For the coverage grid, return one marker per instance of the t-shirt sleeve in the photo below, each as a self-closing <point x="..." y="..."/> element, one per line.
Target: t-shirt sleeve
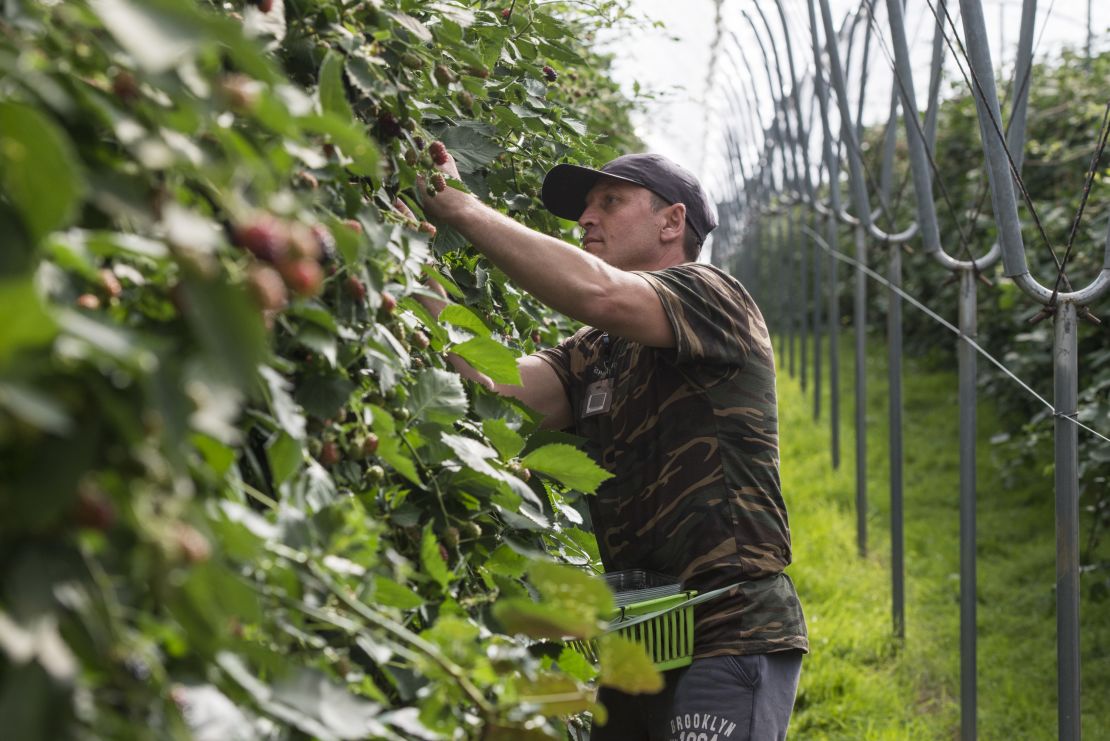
<point x="712" y="316"/>
<point x="559" y="358"/>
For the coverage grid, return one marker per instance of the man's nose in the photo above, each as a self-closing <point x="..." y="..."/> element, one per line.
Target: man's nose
<point x="588" y="217"/>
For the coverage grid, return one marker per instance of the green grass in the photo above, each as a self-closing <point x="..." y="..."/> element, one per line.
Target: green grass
<point x="860" y="683"/>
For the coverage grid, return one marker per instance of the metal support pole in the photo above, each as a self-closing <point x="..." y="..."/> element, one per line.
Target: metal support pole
<point x="894" y="371"/>
<point x="803" y="301"/>
<point x="860" y="322"/>
<point x="788" y="280"/>
<point x="967" y="359"/>
<point x="1065" y="389"/>
<point x="817" y="283"/>
<point x="781" y="282"/>
<point x="831" y="230"/>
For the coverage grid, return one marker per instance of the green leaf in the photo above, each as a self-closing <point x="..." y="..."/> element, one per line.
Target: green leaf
<point x="415" y="27"/>
<point x="460" y="316"/>
<point x="26" y="322"/>
<point x="390" y="448"/>
<point x="571" y="588"/>
<point x="333" y="96"/>
<point x="351" y="140"/>
<point x="507" y="562"/>
<point x="313" y="489"/>
<point x="324" y="709"/>
<point x="217" y="455"/>
<point x="285" y="455"/>
<point x="35" y="408"/>
<point x="573" y="604"/>
<point x="625" y="666"/>
<point x="323" y="396"/>
<point x="568" y="465"/>
<point x="490" y="357"/>
<point x="431" y="559"/>
<point x="472" y="144"/>
<point x="228" y="326"/>
<point x="389" y="592"/>
<point x="286" y="411"/>
<point x="507" y="441"/>
<point x="575" y="664"/>
<point x="473" y="454"/>
<point x="320" y="341"/>
<point x="535" y="620"/>
<point x="158" y="38"/>
<point x="39" y="170"/>
<point x="556" y="695"/>
<point x="438" y="397"/>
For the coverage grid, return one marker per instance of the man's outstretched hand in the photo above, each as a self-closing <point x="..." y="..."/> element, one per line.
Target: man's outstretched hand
<point x="447" y="200"/>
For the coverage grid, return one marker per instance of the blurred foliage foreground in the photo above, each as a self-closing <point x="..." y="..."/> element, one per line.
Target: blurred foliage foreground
<point x="241" y="495"/>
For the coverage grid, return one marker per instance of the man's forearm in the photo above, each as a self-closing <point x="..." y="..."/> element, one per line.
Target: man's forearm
<point x="563" y="277"/>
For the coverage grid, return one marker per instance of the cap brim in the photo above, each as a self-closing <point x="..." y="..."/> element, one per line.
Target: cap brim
<point x="565" y="187"/>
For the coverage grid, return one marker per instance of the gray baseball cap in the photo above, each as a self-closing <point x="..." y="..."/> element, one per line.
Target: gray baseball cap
<point x="565" y="187"/>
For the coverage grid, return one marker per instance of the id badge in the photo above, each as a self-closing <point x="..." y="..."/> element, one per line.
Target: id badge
<point x="599" y="398"/>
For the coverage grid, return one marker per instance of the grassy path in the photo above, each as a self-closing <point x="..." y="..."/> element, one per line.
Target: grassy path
<point x="858" y="682"/>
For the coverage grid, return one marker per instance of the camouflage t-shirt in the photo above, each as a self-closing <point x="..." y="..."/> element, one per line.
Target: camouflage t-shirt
<point x="691" y="437"/>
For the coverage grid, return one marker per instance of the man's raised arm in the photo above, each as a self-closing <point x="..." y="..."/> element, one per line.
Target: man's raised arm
<point x="565" y="278"/>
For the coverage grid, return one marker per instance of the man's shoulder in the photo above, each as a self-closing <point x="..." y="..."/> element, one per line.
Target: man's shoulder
<point x="701" y="273"/>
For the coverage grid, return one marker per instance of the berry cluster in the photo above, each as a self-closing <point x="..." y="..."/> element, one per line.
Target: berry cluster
<point x="289" y="257"/>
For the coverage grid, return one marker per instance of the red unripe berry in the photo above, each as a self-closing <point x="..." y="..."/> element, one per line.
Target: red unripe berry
<point x="94" y="510"/>
<point x="439" y="153"/>
<point x="356" y="289"/>
<point x="241" y="92"/>
<point x="303" y="243"/>
<point x="439" y="183"/>
<point x="428" y="228"/>
<point x="304" y="277"/>
<point x="536" y="337"/>
<point x="420" y="339"/>
<point x="88" y="301"/>
<point x="370" y="444"/>
<point x="308" y="179"/>
<point x="451" y="537"/>
<point x="505" y="13"/>
<point x="193" y="546"/>
<point x="325" y="239"/>
<point x="125" y="87"/>
<point x="329" y="453"/>
<point x="267" y="287"/>
<point x="388" y="302"/>
<point x="550" y="73"/>
<point x="265" y="237"/>
<point x="110" y="282"/>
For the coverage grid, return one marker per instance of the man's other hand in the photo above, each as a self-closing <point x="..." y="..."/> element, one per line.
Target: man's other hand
<point x="446" y="200"/>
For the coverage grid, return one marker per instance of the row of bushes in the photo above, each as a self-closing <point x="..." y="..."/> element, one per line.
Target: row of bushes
<point x="242" y="494"/>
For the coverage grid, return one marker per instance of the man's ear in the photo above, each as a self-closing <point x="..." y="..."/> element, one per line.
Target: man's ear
<point x="674" y="221"/>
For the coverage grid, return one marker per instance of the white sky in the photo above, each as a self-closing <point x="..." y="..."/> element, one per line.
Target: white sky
<point x="684" y="122"/>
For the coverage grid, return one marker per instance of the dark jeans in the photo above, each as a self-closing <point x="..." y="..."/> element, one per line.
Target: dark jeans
<point x="723" y="698"/>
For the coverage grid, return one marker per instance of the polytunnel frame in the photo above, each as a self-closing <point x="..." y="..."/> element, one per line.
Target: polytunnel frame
<point x="1003" y="159"/>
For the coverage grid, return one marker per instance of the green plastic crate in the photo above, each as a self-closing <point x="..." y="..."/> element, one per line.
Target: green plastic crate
<point x="668" y="638"/>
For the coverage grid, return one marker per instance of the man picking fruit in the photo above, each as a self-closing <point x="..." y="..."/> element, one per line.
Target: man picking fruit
<point x="672" y="384"/>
